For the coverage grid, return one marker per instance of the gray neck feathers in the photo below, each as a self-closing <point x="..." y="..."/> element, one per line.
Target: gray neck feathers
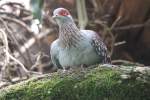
<point x="69" y="35"/>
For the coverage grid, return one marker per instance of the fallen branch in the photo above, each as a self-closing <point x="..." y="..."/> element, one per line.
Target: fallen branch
<point x="126" y="62"/>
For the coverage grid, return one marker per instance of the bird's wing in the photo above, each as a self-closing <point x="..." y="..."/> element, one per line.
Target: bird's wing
<point x="54" y="51"/>
<point x="100" y="48"/>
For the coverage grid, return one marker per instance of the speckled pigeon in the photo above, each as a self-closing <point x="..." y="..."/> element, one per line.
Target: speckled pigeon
<point x="75" y="47"/>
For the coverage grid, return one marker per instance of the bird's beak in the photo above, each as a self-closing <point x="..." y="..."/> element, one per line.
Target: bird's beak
<point x="53" y="17"/>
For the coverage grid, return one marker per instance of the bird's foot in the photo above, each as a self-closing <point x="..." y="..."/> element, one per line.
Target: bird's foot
<point x="83" y="67"/>
<point x="64" y="70"/>
<point x="107" y="65"/>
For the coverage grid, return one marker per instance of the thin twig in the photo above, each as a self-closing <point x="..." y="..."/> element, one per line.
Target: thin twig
<point x="111" y="34"/>
<point x="18" y="22"/>
<point x="97" y="6"/>
<point x="132" y="26"/>
<point x="115" y="22"/>
<point x="12" y="3"/>
<point x="7" y="59"/>
<point x="8" y="55"/>
<point x="8" y="14"/>
<point x="5" y="42"/>
<point x="119" y="43"/>
<point x="17" y="61"/>
<point x="129" y="27"/>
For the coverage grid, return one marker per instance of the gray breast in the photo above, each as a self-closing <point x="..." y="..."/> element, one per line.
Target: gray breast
<point x="83" y="54"/>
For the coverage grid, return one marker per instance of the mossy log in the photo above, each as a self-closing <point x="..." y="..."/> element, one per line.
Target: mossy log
<point x="100" y="83"/>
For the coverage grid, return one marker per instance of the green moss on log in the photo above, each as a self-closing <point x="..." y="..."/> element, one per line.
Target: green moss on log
<point x="93" y="84"/>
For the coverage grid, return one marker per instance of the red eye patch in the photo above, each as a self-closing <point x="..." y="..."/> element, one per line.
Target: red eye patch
<point x="64" y="12"/>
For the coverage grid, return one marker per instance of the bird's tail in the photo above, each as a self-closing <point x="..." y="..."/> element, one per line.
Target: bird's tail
<point x="107" y="60"/>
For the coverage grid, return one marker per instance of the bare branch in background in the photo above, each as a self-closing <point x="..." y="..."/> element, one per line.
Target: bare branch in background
<point x="8" y="56"/>
<point x="12" y="4"/>
<point x="6" y="48"/>
<point x="115" y="23"/>
<point x="17" y="21"/>
<point x="119" y="43"/>
<point x="98" y="7"/>
<point x="31" y="41"/>
<point x="13" y="37"/>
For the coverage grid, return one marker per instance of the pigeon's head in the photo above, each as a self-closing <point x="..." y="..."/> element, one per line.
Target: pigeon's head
<point x="62" y="15"/>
